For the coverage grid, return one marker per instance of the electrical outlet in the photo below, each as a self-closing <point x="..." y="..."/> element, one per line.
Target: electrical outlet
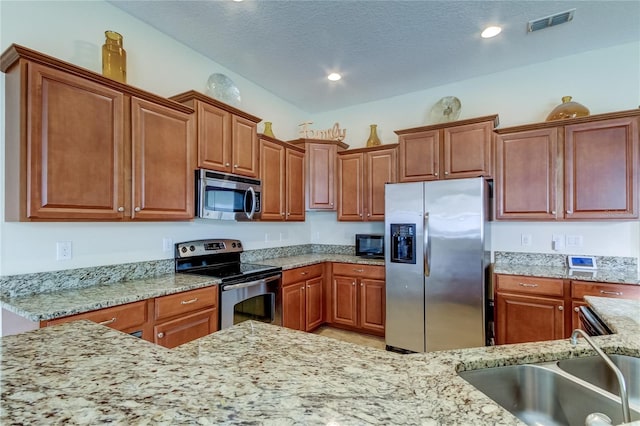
<point x="63" y="250"/>
<point x="574" y="240"/>
<point x="525" y="239"/>
<point x="167" y="244"/>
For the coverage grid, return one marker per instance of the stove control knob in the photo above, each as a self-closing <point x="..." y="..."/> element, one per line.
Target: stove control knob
<point x="192" y="248"/>
<point x="233" y="245"/>
<point x="239" y="244"/>
<point x="183" y="249"/>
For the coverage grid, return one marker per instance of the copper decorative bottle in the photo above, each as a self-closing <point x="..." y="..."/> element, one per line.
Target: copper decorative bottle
<point x="373" y="137"/>
<point x="114" y="57"/>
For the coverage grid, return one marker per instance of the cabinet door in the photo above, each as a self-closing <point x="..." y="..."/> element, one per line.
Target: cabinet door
<point x="575" y="317"/>
<point x="321" y="165"/>
<point x="272" y="170"/>
<point x="526" y="175"/>
<point x="419" y="156"/>
<point x="601" y="169"/>
<point x="467" y="150"/>
<point x="521" y="319"/>
<point x="295" y="185"/>
<point x="244" y="146"/>
<point x="314" y="303"/>
<point x="344" y="299"/>
<point x="187" y="328"/>
<point x="351" y="187"/>
<point x="162" y="142"/>
<point x="75" y="148"/>
<point x="372" y="305"/>
<point x="214" y="137"/>
<point x="293" y="309"/>
<point x="381" y="167"/>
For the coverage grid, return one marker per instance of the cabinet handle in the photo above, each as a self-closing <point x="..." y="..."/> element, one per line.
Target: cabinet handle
<point x="576" y="309"/>
<point x="107" y="322"/>
<point x="304" y="273"/>
<point x="358" y="270"/>
<point x="528" y="285"/>
<point x="560" y="308"/>
<point x="612" y="293"/>
<point x="120" y="209"/>
<point x="160" y="335"/>
<point x="569" y="212"/>
<point x="446" y="173"/>
<point x="188" y="302"/>
<point x="137" y="209"/>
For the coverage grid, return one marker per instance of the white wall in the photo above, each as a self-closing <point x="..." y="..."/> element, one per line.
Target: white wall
<point x="73" y="31"/>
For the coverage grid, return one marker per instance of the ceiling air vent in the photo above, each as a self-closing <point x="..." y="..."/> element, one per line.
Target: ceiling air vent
<point x="550" y="21"/>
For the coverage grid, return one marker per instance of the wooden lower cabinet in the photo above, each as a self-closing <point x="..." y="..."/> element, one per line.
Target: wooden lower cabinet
<point x="358" y="297"/>
<point x="579" y="289"/>
<point x="132" y="318"/>
<point x="528" y="318"/>
<point x="183" y="317"/>
<point x="303" y="298"/>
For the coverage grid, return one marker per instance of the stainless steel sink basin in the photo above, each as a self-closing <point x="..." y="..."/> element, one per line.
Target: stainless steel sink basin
<point x="595" y="371"/>
<point x="538" y="395"/>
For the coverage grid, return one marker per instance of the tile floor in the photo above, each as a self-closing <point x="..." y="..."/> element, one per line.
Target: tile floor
<point x="352" y="337"/>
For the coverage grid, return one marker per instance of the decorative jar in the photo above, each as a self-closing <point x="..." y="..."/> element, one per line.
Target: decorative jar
<point x="568" y="109"/>
<point x="373" y="137"/>
<point x="268" y="131"/>
<point x="114" y="57"/>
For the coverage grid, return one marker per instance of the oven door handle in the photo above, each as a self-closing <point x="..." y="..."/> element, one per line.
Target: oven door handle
<point x="253" y="202"/>
<point x="250" y="283"/>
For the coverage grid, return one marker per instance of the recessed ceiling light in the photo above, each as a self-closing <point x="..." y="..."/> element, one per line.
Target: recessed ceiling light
<point x="334" y="76"/>
<point x="490" y="32"/>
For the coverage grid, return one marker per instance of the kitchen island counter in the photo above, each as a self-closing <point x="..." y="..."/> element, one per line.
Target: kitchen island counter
<point x="81" y="372"/>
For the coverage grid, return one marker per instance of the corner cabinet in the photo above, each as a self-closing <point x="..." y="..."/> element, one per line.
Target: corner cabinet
<point x="320" y="172"/>
<point x="80" y="146"/>
<point x="358" y="297"/>
<point x="362" y="174"/>
<point x="227" y="137"/>
<point x="453" y="150"/>
<point x="282" y="174"/>
<point x="303" y="297"/>
<point x="585" y="168"/>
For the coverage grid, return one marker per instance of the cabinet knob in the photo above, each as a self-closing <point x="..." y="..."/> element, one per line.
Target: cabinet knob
<point x="353" y="283"/>
<point x="235" y="166"/>
<point x="308" y="286"/>
<point x="332" y="204"/>
<point x="368" y="214"/>
<point x="137" y="209"/>
<point x="160" y="335"/>
<point x="302" y="288"/>
<point x="288" y="214"/>
<point x="446" y="173"/>
<point x="361" y="284"/>
<point x="435" y="174"/>
<point x="227" y="164"/>
<point x="120" y="209"/>
<point x="553" y="212"/>
<point x="560" y="308"/>
<point x="569" y="212"/>
<point x="576" y="309"/>
<point x="282" y="214"/>
<point x="360" y="214"/>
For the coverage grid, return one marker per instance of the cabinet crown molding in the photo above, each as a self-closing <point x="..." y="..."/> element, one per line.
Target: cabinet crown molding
<point x="494" y="118"/>
<point x="191" y="95"/>
<point x="569" y="121"/>
<point x="300" y="141"/>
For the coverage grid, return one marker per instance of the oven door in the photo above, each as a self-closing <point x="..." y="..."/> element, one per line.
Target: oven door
<point x="253" y="300"/>
<point x="227" y="197"/>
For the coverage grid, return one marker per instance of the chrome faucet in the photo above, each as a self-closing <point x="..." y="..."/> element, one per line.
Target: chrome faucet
<point x="621" y="383"/>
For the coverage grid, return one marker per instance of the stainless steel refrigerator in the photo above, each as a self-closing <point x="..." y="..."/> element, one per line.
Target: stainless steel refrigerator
<point x="437" y="257"/>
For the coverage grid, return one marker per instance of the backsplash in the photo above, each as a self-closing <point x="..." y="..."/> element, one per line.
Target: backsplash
<point x="560" y="260"/>
<point x="47" y="282"/>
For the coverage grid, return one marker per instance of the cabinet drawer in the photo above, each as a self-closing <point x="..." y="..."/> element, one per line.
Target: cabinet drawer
<point x="188" y="301"/>
<point x="530" y="285"/>
<point x="360" y="271"/>
<point x="121" y="317"/>
<point x="581" y="289"/>
<point x="302" y="274"/>
<point x="187" y="328"/>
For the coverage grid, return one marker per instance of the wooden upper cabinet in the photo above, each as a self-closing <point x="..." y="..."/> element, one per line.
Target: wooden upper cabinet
<point x="80" y="146"/>
<point x="162" y="158"/>
<point x="282" y="174"/>
<point x="320" y="172"/>
<point x="526" y="175"/>
<point x="447" y="151"/>
<point x="227" y="137"/>
<point x="584" y="168"/>
<point x="362" y="175"/>
<point x="601" y="169"/>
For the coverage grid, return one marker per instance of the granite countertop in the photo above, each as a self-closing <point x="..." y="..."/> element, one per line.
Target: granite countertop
<point x="51" y="305"/>
<point x="83" y="373"/>
<point x="621" y="315"/>
<point x="618" y="275"/>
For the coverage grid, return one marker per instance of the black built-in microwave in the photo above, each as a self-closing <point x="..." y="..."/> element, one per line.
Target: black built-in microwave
<point x="370" y="245"/>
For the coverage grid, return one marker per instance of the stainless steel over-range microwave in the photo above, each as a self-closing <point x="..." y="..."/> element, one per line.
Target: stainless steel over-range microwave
<point x="227" y="197"/>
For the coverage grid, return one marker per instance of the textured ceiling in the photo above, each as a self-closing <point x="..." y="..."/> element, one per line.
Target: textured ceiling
<point x="382" y="48"/>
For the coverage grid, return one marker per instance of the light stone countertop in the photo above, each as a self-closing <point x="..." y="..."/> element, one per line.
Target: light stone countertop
<point x="618" y="275"/>
<point x="51" y="305"/>
<point x="252" y="373"/>
<point x="621" y="315"/>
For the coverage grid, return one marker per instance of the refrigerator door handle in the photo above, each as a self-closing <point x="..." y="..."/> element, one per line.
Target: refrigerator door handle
<point x="427" y="246"/>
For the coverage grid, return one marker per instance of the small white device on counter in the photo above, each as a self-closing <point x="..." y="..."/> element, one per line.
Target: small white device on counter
<point x="582" y="262"/>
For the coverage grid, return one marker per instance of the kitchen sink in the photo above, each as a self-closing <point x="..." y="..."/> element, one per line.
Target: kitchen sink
<point x="595" y="371"/>
<point x="540" y="395"/>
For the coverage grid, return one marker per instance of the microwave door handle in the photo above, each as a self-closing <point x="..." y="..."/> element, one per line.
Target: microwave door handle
<point x="427" y="246"/>
<point x="253" y="202"/>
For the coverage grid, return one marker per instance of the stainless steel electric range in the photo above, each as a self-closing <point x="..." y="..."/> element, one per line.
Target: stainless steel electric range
<point x="248" y="290"/>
